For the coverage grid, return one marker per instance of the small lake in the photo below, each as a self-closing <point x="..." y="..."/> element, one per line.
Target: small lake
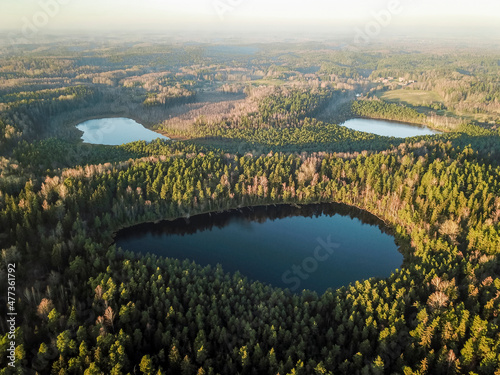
<point x="313" y="247"/>
<point x="388" y="128"/>
<point x="115" y="131"/>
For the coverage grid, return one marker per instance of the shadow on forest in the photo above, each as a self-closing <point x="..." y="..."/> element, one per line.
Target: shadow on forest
<point x="259" y="214"/>
<point x="242" y="146"/>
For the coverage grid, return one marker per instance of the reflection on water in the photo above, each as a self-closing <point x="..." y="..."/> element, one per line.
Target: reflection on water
<point x="271" y="243"/>
<point x="388" y="128"/>
<point x="115" y="131"/>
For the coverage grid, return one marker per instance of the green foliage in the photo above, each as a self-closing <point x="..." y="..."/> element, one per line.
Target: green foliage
<point x="87" y="307"/>
<point x="210" y="320"/>
<point x="290" y="107"/>
<point x="388" y="111"/>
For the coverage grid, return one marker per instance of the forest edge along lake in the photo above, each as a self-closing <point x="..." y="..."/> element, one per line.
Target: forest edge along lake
<point x="114" y="131"/>
<point x="388" y="128"/>
<point x="315" y="247"/>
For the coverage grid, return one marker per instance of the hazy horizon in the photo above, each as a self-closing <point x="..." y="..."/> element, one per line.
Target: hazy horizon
<point x="26" y="18"/>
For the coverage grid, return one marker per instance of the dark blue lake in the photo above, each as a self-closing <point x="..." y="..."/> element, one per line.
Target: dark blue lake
<point x="313" y="247"/>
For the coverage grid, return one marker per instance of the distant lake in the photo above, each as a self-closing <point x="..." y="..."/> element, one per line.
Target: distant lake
<point x="388" y="128"/>
<point x="314" y="247"/>
<point x="115" y="131"/>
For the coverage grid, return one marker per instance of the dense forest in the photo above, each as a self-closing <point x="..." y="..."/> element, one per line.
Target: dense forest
<point x="389" y="111"/>
<point x="85" y="306"/>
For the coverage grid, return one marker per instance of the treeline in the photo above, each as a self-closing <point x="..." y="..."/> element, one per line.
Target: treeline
<point x="388" y="111"/>
<point x="32" y="116"/>
<point x="311" y="135"/>
<point x="29" y="115"/>
<point x="51" y="154"/>
<point x="468" y="84"/>
<point x="99" y="310"/>
<point x="287" y="108"/>
<point x="65" y="93"/>
<point x="43" y="156"/>
<point x="170" y="98"/>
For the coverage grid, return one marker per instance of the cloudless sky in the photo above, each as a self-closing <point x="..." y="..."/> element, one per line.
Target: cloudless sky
<point x="157" y="15"/>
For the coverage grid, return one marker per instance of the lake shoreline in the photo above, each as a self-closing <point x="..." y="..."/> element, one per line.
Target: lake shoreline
<point x="131" y="131"/>
<point x="388" y="226"/>
<point x="252" y="239"/>
<point x="421" y="126"/>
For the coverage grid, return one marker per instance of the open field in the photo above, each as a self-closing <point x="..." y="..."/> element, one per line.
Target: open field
<point x="411" y="97"/>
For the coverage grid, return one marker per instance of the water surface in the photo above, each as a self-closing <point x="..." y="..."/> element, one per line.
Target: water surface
<point x="388" y="128"/>
<point x="115" y="131"/>
<point x="313" y="247"/>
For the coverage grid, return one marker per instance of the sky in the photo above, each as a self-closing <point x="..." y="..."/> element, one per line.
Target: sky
<point x="30" y="16"/>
